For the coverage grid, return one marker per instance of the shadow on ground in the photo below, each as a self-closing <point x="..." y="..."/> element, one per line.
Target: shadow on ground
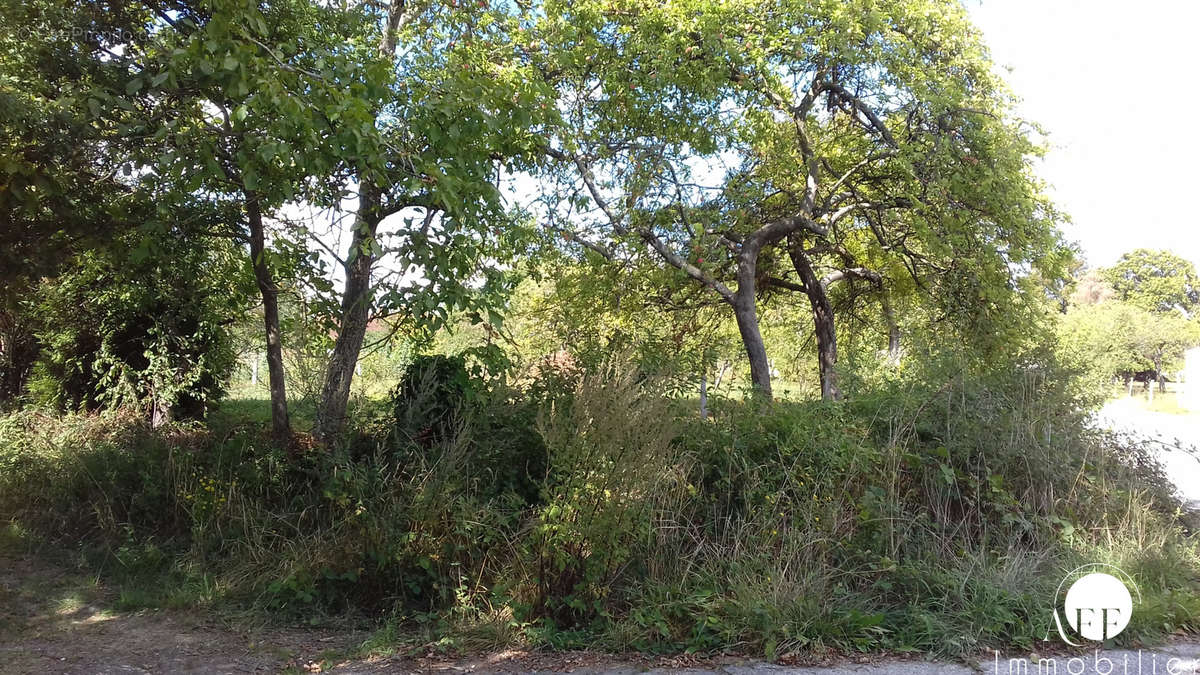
<point x="56" y="621"/>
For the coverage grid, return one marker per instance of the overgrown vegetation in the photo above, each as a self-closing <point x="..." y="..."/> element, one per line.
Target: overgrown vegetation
<point x="690" y="325"/>
<point x="935" y="513"/>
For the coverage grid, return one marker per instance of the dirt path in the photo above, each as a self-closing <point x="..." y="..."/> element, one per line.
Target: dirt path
<point x="54" y="621"/>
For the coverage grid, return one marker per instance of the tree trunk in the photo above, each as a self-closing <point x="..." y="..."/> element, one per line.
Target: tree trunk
<point x="160" y="412"/>
<point x="746" y="313"/>
<point x="756" y="351"/>
<point x="703" y="394"/>
<point x="822" y="321"/>
<point x="280" y="426"/>
<point x="356" y="307"/>
<point x="893" y="352"/>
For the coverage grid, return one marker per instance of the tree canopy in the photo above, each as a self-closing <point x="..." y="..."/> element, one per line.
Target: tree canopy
<point x="856" y="164"/>
<point x="1157" y="281"/>
<point x="751" y="146"/>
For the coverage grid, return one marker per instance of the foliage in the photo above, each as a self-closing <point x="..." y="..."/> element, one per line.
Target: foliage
<point x="143" y="333"/>
<point x="591" y="310"/>
<point x="726" y="143"/>
<point x="1115" y="338"/>
<point x="59" y="188"/>
<point x="837" y="173"/>
<point x="429" y="401"/>
<point x="1156" y="281"/>
<point x="61" y="193"/>
<point x="18" y="344"/>
<point x="610" y="464"/>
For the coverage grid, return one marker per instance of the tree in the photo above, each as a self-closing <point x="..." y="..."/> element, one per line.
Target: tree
<point x="870" y="142"/>
<point x="594" y="308"/>
<point x="261" y="108"/>
<point x="60" y="193"/>
<point x="163" y="95"/>
<point x="1117" y="339"/>
<point x="1161" y="339"/>
<point x="255" y="108"/>
<point x="1157" y="281"/>
<point x="459" y="111"/>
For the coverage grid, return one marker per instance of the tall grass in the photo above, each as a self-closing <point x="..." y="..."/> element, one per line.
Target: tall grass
<point x="934" y="517"/>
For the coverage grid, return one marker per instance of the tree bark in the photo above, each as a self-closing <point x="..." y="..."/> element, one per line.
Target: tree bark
<point x="160" y="412"/>
<point x="746" y="313"/>
<point x="724" y="367"/>
<point x="889" y="317"/>
<point x="280" y="425"/>
<point x="823" y="323"/>
<point x="356" y="307"/>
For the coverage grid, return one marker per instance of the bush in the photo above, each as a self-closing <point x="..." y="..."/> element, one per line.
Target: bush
<point x="612" y="466"/>
<point x="937" y="518"/>
<point x="429" y="401"/>
<point x="140" y="333"/>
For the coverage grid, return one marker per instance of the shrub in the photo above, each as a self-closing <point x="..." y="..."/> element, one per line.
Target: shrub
<point x="428" y="402"/>
<point x="611" y="463"/>
<point x="140" y="333"/>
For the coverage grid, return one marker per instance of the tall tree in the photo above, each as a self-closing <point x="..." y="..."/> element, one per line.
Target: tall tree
<point x="363" y="252"/>
<point x="253" y="107"/>
<point x="261" y="108"/>
<point x="870" y="140"/>
<point x="460" y="111"/>
<point x="1157" y="281"/>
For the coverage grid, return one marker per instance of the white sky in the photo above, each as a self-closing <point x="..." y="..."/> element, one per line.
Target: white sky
<point x="1116" y="85"/>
